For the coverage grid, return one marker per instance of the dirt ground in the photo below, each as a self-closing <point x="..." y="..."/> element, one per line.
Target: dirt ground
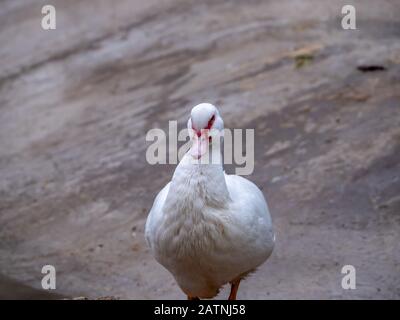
<point x="77" y="102"/>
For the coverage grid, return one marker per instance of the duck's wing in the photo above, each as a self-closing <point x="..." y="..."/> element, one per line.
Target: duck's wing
<point x="155" y="215"/>
<point x="249" y="207"/>
<point x="246" y="195"/>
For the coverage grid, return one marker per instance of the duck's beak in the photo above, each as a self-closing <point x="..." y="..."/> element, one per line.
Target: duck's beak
<point x="199" y="146"/>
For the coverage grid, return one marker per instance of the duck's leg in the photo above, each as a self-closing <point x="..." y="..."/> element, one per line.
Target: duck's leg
<point x="192" y="298"/>
<point x="234" y="289"/>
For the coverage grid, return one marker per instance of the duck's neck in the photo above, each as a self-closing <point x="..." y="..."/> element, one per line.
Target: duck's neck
<point x="196" y="185"/>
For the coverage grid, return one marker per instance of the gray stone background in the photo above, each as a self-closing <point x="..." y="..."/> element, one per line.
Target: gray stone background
<point x="76" y="103"/>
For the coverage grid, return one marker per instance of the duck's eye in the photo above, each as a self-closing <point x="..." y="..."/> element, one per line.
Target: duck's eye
<point x="211" y="122"/>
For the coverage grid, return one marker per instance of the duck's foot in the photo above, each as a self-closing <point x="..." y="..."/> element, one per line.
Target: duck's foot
<point x="192" y="298"/>
<point x="234" y="289"/>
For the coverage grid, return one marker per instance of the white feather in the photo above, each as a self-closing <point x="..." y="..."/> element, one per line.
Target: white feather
<point x="208" y="228"/>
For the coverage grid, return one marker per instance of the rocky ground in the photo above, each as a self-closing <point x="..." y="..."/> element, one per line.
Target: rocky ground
<point x="77" y="102"/>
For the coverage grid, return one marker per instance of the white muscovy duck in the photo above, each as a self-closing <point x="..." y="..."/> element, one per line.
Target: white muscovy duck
<point x="206" y="227"/>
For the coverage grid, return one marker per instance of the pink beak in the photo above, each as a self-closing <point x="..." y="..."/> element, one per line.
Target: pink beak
<point x="200" y="145"/>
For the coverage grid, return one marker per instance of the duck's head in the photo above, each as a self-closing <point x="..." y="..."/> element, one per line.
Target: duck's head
<point x="205" y="125"/>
